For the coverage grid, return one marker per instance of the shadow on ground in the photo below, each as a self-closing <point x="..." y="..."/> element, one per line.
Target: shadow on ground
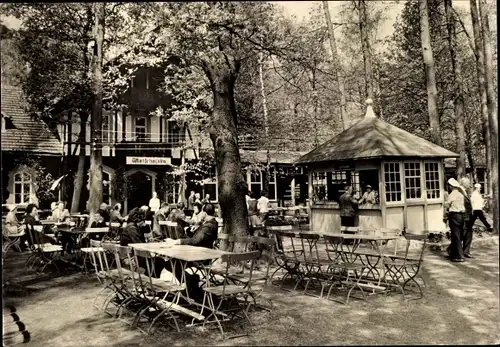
<point x="460" y="306"/>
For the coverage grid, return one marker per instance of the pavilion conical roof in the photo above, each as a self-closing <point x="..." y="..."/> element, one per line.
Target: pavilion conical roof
<point x="374" y="138"/>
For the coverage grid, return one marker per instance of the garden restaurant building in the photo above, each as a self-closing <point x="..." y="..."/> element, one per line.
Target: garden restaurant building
<point x="407" y="171"/>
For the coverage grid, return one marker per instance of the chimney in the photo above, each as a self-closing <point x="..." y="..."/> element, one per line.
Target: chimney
<point x="369" y="109"/>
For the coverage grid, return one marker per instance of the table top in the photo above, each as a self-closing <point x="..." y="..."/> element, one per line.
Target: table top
<point x="48" y="222"/>
<point x="182" y="252"/>
<point x="371" y="237"/>
<point x="149" y="246"/>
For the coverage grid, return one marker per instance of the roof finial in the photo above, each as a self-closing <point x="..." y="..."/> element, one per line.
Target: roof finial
<point x="369" y="109"/>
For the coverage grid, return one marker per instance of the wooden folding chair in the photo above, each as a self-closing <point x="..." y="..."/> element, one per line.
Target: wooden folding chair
<point x="159" y="295"/>
<point x="232" y="299"/>
<point x="88" y="254"/>
<point x="114" y="232"/>
<point x="287" y="257"/>
<point x="104" y="275"/>
<point x="172" y="230"/>
<point x="263" y="243"/>
<point x="404" y="271"/>
<point x="314" y="268"/>
<point x="128" y="271"/>
<point x="343" y="274"/>
<point x="44" y="254"/>
<point x="120" y="279"/>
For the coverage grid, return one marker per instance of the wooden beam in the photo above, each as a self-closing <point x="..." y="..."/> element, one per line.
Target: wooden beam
<point x="424" y="192"/>
<point x="381" y="195"/>
<point x="403" y="194"/>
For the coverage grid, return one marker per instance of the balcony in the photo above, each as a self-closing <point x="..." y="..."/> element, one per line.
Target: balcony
<point x="143" y="148"/>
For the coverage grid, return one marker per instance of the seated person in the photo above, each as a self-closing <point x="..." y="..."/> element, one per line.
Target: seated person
<point x="177" y="215"/>
<point x="133" y="232"/>
<point x="205" y="236"/>
<point x="61" y="214"/>
<point x="369" y="197"/>
<point x="31" y="235"/>
<point x="104" y="212"/>
<point x="115" y="215"/>
<point x="198" y="217"/>
<point x="12" y="225"/>
<point x="160" y="215"/>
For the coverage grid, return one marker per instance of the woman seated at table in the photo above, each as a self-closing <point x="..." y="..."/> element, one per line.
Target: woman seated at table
<point x="178" y="216"/>
<point x="33" y="236"/>
<point x="60" y="214"/>
<point x="197" y="219"/>
<point x="160" y="216"/>
<point x="12" y="225"/>
<point x="116" y="216"/>
<point x="134" y="231"/>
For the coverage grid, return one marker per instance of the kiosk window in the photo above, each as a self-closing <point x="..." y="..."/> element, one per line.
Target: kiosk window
<point x="392" y="178"/>
<point x="412" y="180"/>
<point x="432" y="180"/>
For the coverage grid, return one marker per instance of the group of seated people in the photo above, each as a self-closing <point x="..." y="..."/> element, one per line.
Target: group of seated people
<point x="199" y="230"/>
<point x="25" y="228"/>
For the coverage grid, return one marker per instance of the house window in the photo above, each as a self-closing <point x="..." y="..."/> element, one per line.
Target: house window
<point x="22" y="188"/>
<point x="106" y="178"/>
<point x="392" y="178"/>
<point x="271" y="194"/>
<point x="106" y="127"/>
<point x="210" y="184"/>
<point x="319" y="186"/>
<point x="432" y="180"/>
<point x="140" y="129"/>
<point x="337" y="181"/>
<point x="173" y="133"/>
<point x="256" y="183"/>
<point x="412" y="180"/>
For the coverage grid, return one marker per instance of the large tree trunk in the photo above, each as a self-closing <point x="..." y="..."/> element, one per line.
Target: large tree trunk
<point x="266" y="122"/>
<point x="95" y="196"/>
<point x="337" y="67"/>
<point x="478" y="51"/>
<point x="223" y="133"/>
<point x="492" y="109"/>
<point x="458" y="89"/>
<point x="430" y="73"/>
<point x="80" y="173"/>
<point x="365" y="46"/>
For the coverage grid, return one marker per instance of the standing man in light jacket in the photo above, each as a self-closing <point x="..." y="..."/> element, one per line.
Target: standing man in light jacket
<point x="477" y="202"/>
<point x="455" y="204"/>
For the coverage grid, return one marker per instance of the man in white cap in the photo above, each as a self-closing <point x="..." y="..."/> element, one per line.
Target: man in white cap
<point x="455" y="204"/>
<point x="477" y="202"/>
<point x="477" y="205"/>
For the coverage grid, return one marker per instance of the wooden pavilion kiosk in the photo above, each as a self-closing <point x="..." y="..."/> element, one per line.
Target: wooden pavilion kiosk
<point x="406" y="171"/>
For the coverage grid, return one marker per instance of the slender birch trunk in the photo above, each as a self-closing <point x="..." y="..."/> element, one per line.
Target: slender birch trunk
<point x="458" y="89"/>
<point x="430" y="73"/>
<point x="492" y="109"/>
<point x="337" y="67"/>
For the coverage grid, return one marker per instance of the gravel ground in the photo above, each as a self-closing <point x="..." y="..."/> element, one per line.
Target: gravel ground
<point x="460" y="306"/>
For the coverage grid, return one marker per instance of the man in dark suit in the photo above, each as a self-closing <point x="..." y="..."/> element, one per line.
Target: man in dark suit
<point x="348" y="207"/>
<point x="205" y="236"/>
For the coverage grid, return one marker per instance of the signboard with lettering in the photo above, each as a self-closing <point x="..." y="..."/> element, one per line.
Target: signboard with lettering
<point x="344" y="166"/>
<point x="148" y="161"/>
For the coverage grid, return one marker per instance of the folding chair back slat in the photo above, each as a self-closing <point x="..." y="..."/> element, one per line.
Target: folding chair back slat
<point x="334" y="247"/>
<point x="349" y="230"/>
<point x="172" y="230"/>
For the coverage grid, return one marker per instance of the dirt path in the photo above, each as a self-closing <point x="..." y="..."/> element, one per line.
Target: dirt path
<point x="461" y="306"/>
